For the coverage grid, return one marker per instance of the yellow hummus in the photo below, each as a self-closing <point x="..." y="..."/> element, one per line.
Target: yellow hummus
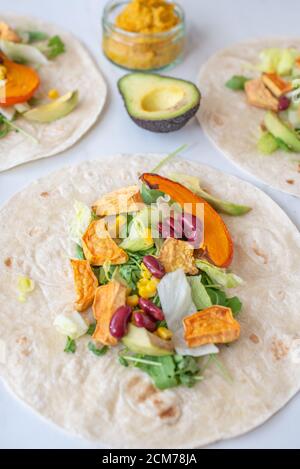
<point x="147" y="16"/>
<point x="154" y="44"/>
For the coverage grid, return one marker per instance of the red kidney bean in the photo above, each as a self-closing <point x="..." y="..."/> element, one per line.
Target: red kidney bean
<point x="119" y="321"/>
<point x="154" y="266"/>
<point x="150" y="308"/>
<point x="283" y="103"/>
<point x="142" y="320"/>
<point x="192" y="228"/>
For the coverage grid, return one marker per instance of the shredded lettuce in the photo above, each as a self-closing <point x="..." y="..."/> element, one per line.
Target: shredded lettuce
<point x="71" y="325"/>
<point x="218" y="275"/>
<point x="23" y="53"/>
<point x="139" y="238"/>
<point x="199" y="294"/>
<point x="80" y="222"/>
<point x="176" y="300"/>
<point x="276" y="60"/>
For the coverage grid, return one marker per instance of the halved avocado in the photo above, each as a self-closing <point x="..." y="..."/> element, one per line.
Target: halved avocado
<point x="159" y="103"/>
<point x="55" y="110"/>
<point x="280" y="130"/>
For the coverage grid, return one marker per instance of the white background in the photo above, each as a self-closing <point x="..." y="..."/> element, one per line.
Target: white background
<point x="212" y="24"/>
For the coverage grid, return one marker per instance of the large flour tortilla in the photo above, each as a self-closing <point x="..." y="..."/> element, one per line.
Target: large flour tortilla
<point x="233" y="125"/>
<point x="72" y="70"/>
<point x="96" y="397"/>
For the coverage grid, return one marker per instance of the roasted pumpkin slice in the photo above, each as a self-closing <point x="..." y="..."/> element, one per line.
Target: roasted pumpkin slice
<point x="21" y="82"/>
<point x="125" y="200"/>
<point x="99" y="247"/>
<point x="108" y="299"/>
<point x="217" y="241"/>
<point x="86" y="284"/>
<point x="213" y="325"/>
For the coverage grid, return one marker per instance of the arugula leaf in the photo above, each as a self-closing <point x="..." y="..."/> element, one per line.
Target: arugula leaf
<point x="237" y="83"/>
<point x="53" y="47"/>
<point x="167" y="371"/>
<point x="91" y="329"/>
<point x="36" y="36"/>
<point x="70" y="346"/>
<point x="235" y="304"/>
<point x="79" y="252"/>
<point x="131" y="271"/>
<point x="4" y="127"/>
<point x="99" y="352"/>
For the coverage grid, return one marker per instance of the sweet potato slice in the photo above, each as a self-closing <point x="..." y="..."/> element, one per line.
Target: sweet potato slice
<point x="276" y="84"/>
<point x="125" y="200"/>
<point x="217" y="240"/>
<point x="7" y="33"/>
<point x="176" y="254"/>
<point x="107" y="299"/>
<point x="211" y="326"/>
<point x="21" y="82"/>
<point x="258" y="95"/>
<point x="86" y="284"/>
<point x="99" y="247"/>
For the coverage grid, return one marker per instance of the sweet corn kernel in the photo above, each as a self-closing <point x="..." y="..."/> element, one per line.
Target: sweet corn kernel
<point x="3" y="72"/>
<point x="53" y="94"/>
<point x="145" y="272"/>
<point x="164" y="333"/>
<point x="132" y="300"/>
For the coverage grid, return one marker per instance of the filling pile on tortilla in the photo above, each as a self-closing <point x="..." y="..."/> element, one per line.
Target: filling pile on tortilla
<point x="146" y="339"/>
<point x="50" y="90"/>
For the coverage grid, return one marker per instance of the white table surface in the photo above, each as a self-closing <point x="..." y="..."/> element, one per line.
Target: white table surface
<point x="212" y="24"/>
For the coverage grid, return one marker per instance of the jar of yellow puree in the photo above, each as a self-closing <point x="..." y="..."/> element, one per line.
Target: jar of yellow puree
<point x="143" y="34"/>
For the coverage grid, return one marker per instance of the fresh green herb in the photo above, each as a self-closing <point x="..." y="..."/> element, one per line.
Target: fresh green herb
<point x="35" y="36"/>
<point x="70" y="346"/>
<point x="6" y="126"/>
<point x="167" y="371"/>
<point x="218" y="296"/>
<point x="235" y="304"/>
<point x="156" y="301"/>
<point x="53" y="47"/>
<point x="79" y="252"/>
<point x="99" y="352"/>
<point x="237" y="83"/>
<point x="150" y="196"/>
<point x="166" y="160"/>
<point x="91" y="329"/>
<point x="131" y="271"/>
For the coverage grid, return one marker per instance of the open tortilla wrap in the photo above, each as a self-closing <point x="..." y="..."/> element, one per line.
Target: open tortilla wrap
<point x="72" y="70"/>
<point x="97" y="398"/>
<point x="233" y="125"/>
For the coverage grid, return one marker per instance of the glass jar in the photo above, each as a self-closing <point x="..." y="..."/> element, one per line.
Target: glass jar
<point x="140" y="51"/>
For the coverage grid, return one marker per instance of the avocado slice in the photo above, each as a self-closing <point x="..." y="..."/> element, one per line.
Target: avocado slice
<point x="159" y="103"/>
<point x="55" y="110"/>
<point x="139" y="340"/>
<point x="280" y="130"/>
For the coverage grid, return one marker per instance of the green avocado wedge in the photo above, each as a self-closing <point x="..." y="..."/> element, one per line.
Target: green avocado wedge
<point x="223" y="206"/>
<point x="159" y="103"/>
<point x="139" y="340"/>
<point x="280" y="129"/>
<point x="59" y="108"/>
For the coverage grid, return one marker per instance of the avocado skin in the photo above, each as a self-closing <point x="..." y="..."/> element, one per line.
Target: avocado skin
<point x="166" y="125"/>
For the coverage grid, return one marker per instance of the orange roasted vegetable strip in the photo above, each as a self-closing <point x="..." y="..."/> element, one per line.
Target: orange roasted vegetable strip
<point x="107" y="300"/>
<point x="214" y="325"/>
<point x="21" y="82"/>
<point x="217" y="240"/>
<point x="85" y="283"/>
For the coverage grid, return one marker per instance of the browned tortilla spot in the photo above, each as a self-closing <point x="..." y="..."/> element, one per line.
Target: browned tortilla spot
<point x="279" y="349"/>
<point x="260" y="254"/>
<point x="217" y="120"/>
<point x="254" y="338"/>
<point x="290" y="181"/>
<point x="168" y="413"/>
<point x="148" y="391"/>
<point x="8" y="262"/>
<point x="44" y="194"/>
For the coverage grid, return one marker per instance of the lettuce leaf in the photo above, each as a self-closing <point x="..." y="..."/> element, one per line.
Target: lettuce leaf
<point x="199" y="294"/>
<point x="218" y="275"/>
<point x="276" y="60"/>
<point x="80" y="222"/>
<point x="23" y="53"/>
<point x="176" y="300"/>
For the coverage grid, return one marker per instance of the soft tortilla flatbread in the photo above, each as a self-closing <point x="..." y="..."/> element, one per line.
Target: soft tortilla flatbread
<point x="96" y="397"/>
<point x="233" y="125"/>
<point x="72" y="70"/>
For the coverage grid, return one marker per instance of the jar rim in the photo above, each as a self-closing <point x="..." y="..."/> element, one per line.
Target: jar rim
<point x="163" y="34"/>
